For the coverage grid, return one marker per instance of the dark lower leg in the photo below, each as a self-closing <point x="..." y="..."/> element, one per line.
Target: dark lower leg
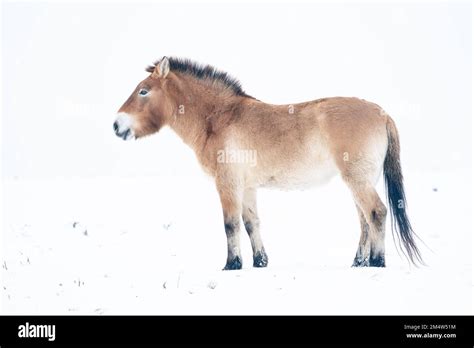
<point x="260" y="258"/>
<point x="363" y="250"/>
<point x="252" y="226"/>
<point x="234" y="259"/>
<point x="372" y="215"/>
<point x="231" y="200"/>
<point x="377" y="250"/>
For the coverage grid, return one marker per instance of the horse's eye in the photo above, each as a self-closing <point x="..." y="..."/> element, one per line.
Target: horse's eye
<point x="143" y="92"/>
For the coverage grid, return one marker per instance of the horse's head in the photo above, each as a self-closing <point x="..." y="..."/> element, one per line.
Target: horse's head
<point x="149" y="106"/>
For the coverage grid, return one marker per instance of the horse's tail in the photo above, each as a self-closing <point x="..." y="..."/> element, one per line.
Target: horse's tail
<point x="396" y="195"/>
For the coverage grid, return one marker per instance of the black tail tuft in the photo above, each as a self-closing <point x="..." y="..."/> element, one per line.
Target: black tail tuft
<point x="396" y="196"/>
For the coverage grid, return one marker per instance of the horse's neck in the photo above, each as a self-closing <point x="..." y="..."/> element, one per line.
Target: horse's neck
<point x="192" y="121"/>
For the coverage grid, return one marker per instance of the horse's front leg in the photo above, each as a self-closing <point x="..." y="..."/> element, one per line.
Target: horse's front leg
<point x="252" y="225"/>
<point x="231" y="200"/>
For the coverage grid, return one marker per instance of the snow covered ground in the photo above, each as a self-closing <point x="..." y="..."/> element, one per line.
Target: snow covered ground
<point x="157" y="246"/>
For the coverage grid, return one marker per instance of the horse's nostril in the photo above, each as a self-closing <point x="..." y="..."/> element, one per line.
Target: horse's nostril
<point x="116" y="126"/>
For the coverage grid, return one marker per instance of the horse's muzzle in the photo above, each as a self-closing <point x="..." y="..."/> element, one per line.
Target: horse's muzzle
<point x="122" y="127"/>
<point x="125" y="135"/>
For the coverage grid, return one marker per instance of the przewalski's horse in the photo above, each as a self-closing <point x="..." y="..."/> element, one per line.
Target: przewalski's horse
<point x="245" y="144"/>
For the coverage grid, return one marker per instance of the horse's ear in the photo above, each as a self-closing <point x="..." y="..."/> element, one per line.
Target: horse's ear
<point x="162" y="68"/>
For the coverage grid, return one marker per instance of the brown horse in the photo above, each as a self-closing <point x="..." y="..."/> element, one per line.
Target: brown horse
<point x="245" y="144"/>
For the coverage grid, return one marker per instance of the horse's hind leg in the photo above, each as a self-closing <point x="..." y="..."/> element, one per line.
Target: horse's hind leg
<point x="252" y="225"/>
<point x="375" y="213"/>
<point x="363" y="251"/>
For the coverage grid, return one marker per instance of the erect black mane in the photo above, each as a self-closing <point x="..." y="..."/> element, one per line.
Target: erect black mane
<point x="202" y="72"/>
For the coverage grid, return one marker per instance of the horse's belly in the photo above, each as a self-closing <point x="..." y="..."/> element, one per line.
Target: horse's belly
<point x="302" y="176"/>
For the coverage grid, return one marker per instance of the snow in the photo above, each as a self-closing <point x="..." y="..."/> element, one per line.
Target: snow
<point x="95" y="225"/>
<point x="157" y="246"/>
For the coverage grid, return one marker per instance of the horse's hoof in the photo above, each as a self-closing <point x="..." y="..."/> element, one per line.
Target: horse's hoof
<point x="261" y="259"/>
<point x="359" y="262"/>
<point x="378" y="261"/>
<point x="235" y="263"/>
